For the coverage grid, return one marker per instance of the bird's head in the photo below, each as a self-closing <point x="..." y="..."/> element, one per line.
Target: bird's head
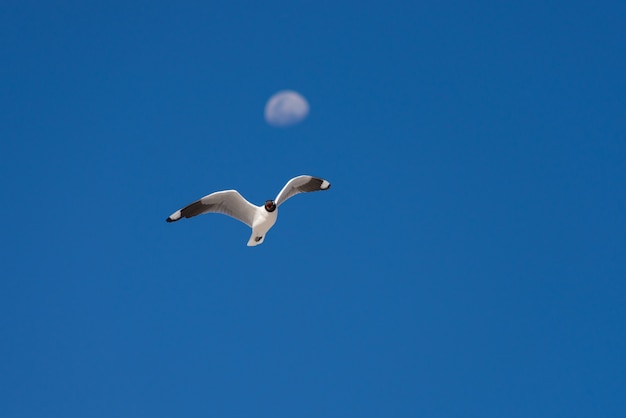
<point x="270" y="206"/>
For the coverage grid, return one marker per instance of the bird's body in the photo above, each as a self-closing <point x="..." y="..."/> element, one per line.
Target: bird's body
<point x="263" y="221"/>
<point x="259" y="218"/>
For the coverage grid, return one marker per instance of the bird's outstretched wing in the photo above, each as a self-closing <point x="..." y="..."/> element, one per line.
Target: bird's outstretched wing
<point x="301" y="184"/>
<point x="228" y="202"/>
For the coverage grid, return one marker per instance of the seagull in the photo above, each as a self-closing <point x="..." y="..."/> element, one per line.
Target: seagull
<point x="259" y="218"/>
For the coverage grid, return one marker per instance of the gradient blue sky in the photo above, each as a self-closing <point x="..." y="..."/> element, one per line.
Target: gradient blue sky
<point x="469" y="260"/>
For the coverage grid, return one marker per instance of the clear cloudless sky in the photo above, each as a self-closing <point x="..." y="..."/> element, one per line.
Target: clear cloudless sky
<point x="469" y="259"/>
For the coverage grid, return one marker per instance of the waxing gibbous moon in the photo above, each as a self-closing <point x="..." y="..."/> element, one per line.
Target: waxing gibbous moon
<point x="286" y="108"/>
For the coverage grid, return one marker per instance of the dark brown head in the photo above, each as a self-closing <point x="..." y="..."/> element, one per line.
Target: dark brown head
<point x="270" y="206"/>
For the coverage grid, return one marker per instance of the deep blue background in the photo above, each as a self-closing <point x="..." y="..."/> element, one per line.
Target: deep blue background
<point x="469" y="259"/>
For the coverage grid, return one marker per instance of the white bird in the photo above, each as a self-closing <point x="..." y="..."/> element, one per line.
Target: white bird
<point x="259" y="218"/>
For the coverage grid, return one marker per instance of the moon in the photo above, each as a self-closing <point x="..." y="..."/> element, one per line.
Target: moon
<point x="286" y="108"/>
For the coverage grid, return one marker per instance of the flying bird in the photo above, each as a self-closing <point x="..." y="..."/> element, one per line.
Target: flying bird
<point x="259" y="218"/>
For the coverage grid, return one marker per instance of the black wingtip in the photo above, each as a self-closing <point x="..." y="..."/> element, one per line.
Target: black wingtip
<point x="169" y="219"/>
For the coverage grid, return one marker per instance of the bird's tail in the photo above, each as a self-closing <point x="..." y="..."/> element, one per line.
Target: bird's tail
<point x="255" y="239"/>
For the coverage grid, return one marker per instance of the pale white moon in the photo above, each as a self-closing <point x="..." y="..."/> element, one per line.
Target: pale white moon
<point x="285" y="108"/>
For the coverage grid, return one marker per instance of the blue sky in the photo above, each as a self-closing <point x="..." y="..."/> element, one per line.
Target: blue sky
<point x="469" y="259"/>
